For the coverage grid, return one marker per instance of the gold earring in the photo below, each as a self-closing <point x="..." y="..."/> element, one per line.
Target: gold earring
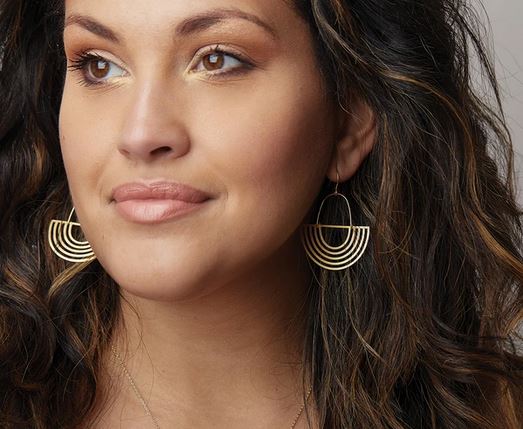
<point x="63" y="243"/>
<point x="334" y="258"/>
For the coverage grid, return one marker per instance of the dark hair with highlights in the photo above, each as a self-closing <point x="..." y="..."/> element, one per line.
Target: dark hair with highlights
<point x="421" y="333"/>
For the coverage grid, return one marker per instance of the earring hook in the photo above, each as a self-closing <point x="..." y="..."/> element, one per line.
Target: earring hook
<point x="70" y="215"/>
<point x="337" y="180"/>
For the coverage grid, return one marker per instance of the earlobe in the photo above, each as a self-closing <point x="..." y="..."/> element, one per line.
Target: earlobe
<point x="355" y="140"/>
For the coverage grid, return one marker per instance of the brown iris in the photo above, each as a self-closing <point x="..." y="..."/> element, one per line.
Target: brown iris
<point x="99" y="68"/>
<point x="215" y="61"/>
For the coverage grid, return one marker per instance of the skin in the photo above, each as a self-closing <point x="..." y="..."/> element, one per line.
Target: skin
<point x="218" y="292"/>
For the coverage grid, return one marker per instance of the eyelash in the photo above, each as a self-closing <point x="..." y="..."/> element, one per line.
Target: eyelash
<point x="84" y="58"/>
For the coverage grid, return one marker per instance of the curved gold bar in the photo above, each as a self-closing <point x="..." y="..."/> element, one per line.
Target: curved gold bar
<point x="65" y="245"/>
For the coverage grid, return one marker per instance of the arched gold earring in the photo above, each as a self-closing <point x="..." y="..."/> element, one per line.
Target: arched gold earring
<point x="334" y="258"/>
<point x="65" y="245"/>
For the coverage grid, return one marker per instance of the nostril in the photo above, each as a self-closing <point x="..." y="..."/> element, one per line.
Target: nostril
<point x="161" y="150"/>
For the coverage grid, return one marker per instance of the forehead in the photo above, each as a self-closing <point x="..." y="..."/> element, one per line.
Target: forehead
<point x="163" y="16"/>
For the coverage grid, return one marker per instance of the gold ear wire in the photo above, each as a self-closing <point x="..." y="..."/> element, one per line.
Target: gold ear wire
<point x="65" y="245"/>
<point x="334" y="258"/>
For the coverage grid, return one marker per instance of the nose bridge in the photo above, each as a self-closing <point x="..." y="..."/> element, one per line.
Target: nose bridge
<point x="153" y="126"/>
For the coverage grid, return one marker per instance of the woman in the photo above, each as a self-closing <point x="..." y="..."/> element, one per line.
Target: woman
<point x="255" y="213"/>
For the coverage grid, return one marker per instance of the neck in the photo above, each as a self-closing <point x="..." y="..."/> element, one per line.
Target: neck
<point x="233" y="355"/>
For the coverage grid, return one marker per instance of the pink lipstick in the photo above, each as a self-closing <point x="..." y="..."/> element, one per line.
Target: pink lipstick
<point x="156" y="202"/>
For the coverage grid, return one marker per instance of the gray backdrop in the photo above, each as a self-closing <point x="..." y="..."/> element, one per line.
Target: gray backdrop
<point x="506" y="18"/>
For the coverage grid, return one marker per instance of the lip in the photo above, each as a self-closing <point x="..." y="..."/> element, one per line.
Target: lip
<point x="157" y="201"/>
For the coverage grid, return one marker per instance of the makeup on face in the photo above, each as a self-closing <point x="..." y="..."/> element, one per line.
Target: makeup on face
<point x="157" y="201"/>
<point x="195" y="137"/>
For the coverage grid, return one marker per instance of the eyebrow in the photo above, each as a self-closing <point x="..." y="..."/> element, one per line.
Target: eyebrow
<point x="189" y="26"/>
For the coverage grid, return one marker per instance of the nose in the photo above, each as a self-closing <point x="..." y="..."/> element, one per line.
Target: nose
<point x="152" y="128"/>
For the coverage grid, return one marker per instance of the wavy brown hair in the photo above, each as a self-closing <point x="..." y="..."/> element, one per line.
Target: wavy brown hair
<point x="421" y="333"/>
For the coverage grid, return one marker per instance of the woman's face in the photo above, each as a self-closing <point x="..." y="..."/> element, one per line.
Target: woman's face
<point x="224" y="96"/>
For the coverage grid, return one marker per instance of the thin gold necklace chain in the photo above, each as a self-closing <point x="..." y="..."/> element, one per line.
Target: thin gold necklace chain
<point x="146" y="407"/>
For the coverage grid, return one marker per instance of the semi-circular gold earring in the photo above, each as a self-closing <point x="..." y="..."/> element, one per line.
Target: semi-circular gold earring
<point x="65" y="245"/>
<point x="334" y="258"/>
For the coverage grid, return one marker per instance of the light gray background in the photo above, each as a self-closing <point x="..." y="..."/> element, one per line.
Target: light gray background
<point x="506" y="19"/>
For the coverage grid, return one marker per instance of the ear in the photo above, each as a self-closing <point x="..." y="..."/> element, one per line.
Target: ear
<point x="355" y="139"/>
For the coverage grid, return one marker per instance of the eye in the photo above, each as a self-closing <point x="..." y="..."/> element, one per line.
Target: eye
<point x="217" y="61"/>
<point x="95" y="70"/>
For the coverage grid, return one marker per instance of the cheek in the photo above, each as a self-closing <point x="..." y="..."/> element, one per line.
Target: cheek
<point x="82" y="144"/>
<point x="277" y="146"/>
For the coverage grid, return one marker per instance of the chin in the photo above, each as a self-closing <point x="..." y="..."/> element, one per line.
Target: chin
<point x="159" y="281"/>
<point x="151" y="288"/>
